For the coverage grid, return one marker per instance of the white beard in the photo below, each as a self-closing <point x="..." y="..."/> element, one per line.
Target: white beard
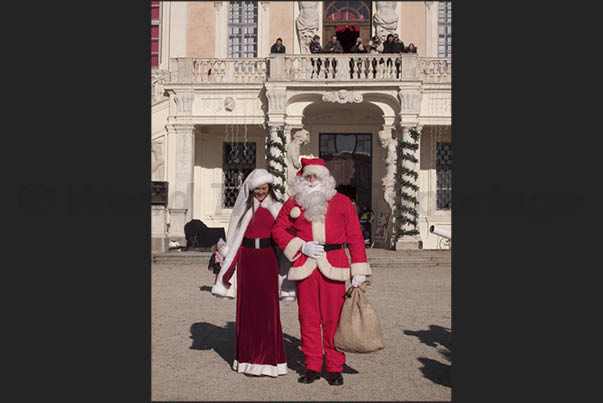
<point x="314" y="197"/>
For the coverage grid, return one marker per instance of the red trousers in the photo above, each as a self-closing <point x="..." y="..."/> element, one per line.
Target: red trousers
<point x="320" y="300"/>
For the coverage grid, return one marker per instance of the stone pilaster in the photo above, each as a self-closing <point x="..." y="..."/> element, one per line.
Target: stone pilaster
<point x="180" y="198"/>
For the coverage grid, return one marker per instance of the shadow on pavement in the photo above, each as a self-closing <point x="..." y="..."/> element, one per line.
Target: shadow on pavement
<point x="205" y="288"/>
<point x="206" y="336"/>
<point x="435" y="336"/>
<point x="436" y="372"/>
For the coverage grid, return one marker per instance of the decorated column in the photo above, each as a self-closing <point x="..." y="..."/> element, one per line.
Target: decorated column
<point x="276" y="141"/>
<point x="275" y="159"/>
<point x="407" y="215"/>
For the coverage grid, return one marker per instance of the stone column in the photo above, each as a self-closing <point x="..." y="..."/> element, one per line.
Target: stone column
<point x="410" y="190"/>
<point x="180" y="198"/>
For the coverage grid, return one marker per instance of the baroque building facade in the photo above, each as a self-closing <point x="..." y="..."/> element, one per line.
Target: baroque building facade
<point x="222" y="105"/>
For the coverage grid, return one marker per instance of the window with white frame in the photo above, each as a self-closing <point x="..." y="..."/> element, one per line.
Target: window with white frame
<point x="242" y="29"/>
<point x="155" y="24"/>
<point x="444" y="29"/>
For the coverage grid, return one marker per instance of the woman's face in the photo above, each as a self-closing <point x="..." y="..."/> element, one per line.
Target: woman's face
<point x="261" y="192"/>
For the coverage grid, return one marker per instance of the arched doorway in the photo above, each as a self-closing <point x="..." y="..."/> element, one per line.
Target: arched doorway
<point x="347" y="20"/>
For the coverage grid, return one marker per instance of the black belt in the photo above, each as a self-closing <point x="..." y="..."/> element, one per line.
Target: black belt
<point x="333" y="246"/>
<point x="257" y="243"/>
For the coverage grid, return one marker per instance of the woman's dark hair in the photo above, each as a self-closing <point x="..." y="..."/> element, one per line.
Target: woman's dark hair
<point x="249" y="204"/>
<point x="390" y="36"/>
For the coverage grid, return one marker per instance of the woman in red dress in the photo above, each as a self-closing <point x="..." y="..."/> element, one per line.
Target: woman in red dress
<point x="250" y="270"/>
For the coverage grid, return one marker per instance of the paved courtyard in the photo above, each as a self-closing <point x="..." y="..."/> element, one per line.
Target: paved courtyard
<point x="193" y="341"/>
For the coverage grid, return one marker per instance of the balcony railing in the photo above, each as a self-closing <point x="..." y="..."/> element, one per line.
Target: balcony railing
<point x="312" y="68"/>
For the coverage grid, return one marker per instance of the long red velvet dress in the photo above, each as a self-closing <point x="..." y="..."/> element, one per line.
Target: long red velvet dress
<point x="258" y="333"/>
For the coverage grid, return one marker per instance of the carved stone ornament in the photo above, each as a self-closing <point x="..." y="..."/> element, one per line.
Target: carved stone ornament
<point x="184" y="102"/>
<point x="276" y="99"/>
<point x="218" y="5"/>
<point x="385" y="18"/>
<point x="307" y="24"/>
<point x="410" y="101"/>
<point x="343" y="97"/>
<point x="389" y="180"/>
<point x="229" y="104"/>
<point x="265" y="5"/>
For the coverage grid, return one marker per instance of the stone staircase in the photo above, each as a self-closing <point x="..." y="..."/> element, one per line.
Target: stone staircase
<point x="376" y="258"/>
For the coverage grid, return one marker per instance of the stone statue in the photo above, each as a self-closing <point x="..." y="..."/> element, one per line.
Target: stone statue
<point x="389" y="180"/>
<point x="300" y="138"/>
<point x="157" y="160"/>
<point x="307" y="24"/>
<point x="385" y="18"/>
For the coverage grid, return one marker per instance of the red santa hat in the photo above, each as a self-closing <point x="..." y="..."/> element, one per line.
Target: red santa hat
<point x="314" y="166"/>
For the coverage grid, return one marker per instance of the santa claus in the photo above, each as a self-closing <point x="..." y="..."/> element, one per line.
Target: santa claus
<point x="312" y="228"/>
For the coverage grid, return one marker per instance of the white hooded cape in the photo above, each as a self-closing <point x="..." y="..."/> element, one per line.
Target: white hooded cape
<point x="236" y="233"/>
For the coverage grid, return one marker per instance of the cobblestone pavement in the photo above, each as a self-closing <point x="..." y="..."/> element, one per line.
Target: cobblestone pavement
<point x="193" y="342"/>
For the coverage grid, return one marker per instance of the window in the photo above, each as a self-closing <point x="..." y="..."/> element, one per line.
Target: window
<point x="242" y="29"/>
<point x="155" y="20"/>
<point x="347" y="10"/>
<point x="443" y="175"/>
<point x="444" y="29"/>
<point x="238" y="162"/>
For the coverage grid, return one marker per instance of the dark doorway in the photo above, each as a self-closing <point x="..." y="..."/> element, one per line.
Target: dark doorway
<point x="349" y="159"/>
<point x="346" y="35"/>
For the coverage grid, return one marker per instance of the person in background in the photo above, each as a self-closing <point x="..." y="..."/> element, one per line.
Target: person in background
<point x="375" y="46"/>
<point x="333" y="46"/>
<point x="398" y="48"/>
<point x="358" y="48"/>
<point x="411" y="48"/>
<point x="278" y="46"/>
<point x="315" y="48"/>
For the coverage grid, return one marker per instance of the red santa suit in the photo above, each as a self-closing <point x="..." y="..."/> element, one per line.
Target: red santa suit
<point x="320" y="293"/>
<point x="250" y="270"/>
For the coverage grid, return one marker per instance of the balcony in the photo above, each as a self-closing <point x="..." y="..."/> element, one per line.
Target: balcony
<point x="318" y="68"/>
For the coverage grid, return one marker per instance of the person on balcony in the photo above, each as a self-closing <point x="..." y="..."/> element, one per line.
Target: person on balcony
<point x="375" y="46"/>
<point x="250" y="271"/>
<point x="393" y="47"/>
<point x="333" y="46"/>
<point x="358" y="48"/>
<point x="316" y="48"/>
<point x="411" y="48"/>
<point x="278" y="46"/>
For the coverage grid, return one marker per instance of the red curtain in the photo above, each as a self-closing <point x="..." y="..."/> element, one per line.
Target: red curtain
<point x="341" y="28"/>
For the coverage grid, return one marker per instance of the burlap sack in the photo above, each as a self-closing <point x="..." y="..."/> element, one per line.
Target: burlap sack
<point x="359" y="330"/>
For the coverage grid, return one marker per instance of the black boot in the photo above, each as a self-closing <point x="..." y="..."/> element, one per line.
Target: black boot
<point x="335" y="378"/>
<point x="309" y="376"/>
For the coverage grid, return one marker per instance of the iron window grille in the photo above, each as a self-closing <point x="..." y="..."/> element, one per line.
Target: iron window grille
<point x="443" y="176"/>
<point x="238" y="161"/>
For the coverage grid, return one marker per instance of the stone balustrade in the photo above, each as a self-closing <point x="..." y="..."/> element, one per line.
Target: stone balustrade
<point x="311" y="68"/>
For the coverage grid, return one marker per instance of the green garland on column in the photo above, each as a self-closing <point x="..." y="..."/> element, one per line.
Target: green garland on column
<point x="407" y="179"/>
<point x="270" y="157"/>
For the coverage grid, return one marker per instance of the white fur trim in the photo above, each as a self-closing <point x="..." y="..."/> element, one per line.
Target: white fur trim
<point x="317" y="170"/>
<point x="325" y="267"/>
<point x="358" y="269"/>
<point x="220" y="290"/>
<point x="318" y="231"/>
<point x="260" y="177"/>
<point x="292" y="248"/>
<point x="260" y="369"/>
<point x="295" y="212"/>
